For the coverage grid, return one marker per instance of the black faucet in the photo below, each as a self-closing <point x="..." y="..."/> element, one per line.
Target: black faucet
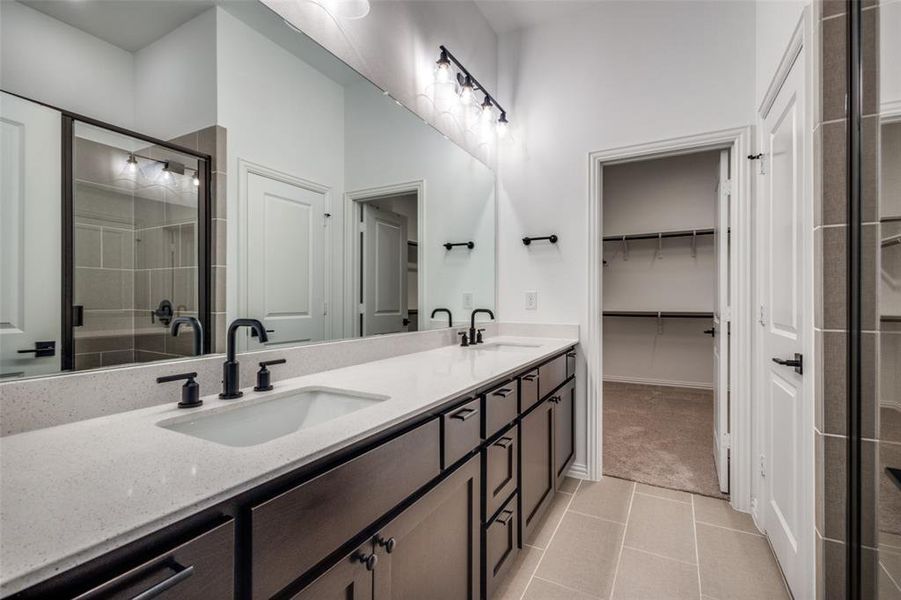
<point x="450" y="317"/>
<point x="472" y="324"/>
<point x="195" y="325"/>
<point x="230" y="372"/>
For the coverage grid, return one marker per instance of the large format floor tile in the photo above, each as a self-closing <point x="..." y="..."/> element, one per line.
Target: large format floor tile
<point x="662" y="527"/>
<point x="583" y="554"/>
<point x="737" y="565"/>
<point x="549" y="521"/>
<point x="617" y="540"/>
<point x="607" y="499"/>
<point x="643" y="576"/>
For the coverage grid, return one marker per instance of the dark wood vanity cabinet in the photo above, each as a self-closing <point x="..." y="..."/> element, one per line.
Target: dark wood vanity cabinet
<point x="437" y="507"/>
<point x="537" y="473"/>
<point x="434" y="548"/>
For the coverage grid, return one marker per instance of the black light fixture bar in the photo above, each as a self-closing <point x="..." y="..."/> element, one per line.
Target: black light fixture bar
<point x="475" y="82"/>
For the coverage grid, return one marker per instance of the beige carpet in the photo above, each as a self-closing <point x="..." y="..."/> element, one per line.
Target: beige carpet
<point x="661" y="436"/>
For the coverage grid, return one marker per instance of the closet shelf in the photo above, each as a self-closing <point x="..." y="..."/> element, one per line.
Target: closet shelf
<point x="891" y="240"/>
<point x="890" y="219"/>
<point x="662" y="314"/>
<point x="658" y="235"/>
<point x="890" y="318"/>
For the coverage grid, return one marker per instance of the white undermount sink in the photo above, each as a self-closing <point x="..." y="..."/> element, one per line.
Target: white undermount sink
<point x="505" y="346"/>
<point x="255" y="421"/>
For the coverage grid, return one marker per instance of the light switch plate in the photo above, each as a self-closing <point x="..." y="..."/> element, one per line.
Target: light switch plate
<point x="531" y="300"/>
<point x="467" y="300"/>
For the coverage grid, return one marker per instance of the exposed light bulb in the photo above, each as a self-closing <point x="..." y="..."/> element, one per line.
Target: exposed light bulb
<point x="132" y="163"/>
<point x="443" y="68"/>
<point x="502" y="126"/>
<point x="196" y="179"/>
<point x="486" y="109"/>
<point x="467" y="93"/>
<point x="166" y="173"/>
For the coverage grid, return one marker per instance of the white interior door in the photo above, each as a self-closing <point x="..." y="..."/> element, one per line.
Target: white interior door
<point x="384" y="271"/>
<point x="721" y="317"/>
<point x="285" y="274"/>
<point x="30" y="236"/>
<point x="785" y="322"/>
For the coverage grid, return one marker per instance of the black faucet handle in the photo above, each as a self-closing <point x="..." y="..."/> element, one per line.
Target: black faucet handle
<point x="479" y="335"/>
<point x="264" y="381"/>
<point x="465" y="341"/>
<point x="190" y="391"/>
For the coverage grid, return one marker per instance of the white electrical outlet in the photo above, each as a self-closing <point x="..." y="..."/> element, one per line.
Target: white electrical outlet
<point x="467" y="300"/>
<point x="531" y="300"/>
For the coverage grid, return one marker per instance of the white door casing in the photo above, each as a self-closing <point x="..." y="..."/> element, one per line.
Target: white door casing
<point x="786" y="321"/>
<point x="384" y="271"/>
<point x="30" y="235"/>
<point x="721" y="318"/>
<point x="284" y="277"/>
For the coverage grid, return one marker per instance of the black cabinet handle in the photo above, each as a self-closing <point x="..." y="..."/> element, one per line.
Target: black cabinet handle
<point x="370" y="560"/>
<point x="571" y="354"/>
<point x="504" y="517"/>
<point x="165" y="584"/>
<point x="465" y="413"/>
<point x="530" y="377"/>
<point x="711" y="332"/>
<point x="797" y="363"/>
<point x="504" y="442"/>
<point x="503" y="392"/>
<point x="388" y="544"/>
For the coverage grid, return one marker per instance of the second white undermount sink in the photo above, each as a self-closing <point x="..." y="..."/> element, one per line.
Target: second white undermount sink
<point x="255" y="421"/>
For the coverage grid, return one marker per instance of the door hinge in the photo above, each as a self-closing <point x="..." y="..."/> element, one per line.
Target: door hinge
<point x="762" y="465"/>
<point x="727" y="440"/>
<point x="325" y="309"/>
<point x="762" y="317"/>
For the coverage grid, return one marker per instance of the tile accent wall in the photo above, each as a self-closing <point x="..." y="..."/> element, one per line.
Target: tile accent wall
<point x="212" y="141"/>
<point x="830" y="318"/>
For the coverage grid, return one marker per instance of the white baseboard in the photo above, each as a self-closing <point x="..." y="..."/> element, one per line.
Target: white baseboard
<point x="699" y="385"/>
<point x="578" y="471"/>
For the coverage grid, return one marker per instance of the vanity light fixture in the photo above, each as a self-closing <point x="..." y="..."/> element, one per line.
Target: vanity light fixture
<point x="467" y="88"/>
<point x="132" y="163"/>
<point x="196" y="179"/>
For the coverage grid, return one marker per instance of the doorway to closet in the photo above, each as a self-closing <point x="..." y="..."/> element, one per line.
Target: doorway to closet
<point x="666" y="320"/>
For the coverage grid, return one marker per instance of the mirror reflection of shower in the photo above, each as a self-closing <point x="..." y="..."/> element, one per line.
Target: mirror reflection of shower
<point x="135" y="220"/>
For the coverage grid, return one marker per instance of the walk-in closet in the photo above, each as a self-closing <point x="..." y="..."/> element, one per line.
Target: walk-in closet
<point x="665" y="285"/>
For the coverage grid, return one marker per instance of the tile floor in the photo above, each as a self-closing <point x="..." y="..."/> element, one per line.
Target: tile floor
<point x="619" y="539"/>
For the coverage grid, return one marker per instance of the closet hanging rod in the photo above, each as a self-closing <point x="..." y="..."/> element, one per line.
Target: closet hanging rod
<point x="893" y="219"/>
<point x="659" y="314"/>
<point x="658" y="235"/>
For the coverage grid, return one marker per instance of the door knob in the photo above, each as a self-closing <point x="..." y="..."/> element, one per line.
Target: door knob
<point x="797" y="363"/>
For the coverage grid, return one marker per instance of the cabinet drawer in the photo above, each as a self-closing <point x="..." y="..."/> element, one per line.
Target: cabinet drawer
<point x="570" y="363"/>
<point x="501" y="478"/>
<point x="202" y="567"/>
<point x="294" y="531"/>
<point x="501" y="546"/>
<point x="501" y="406"/>
<point x="461" y="431"/>
<point x="550" y="375"/>
<point x="528" y="390"/>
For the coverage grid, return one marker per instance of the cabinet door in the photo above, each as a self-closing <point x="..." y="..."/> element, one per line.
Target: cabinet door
<point x="564" y="430"/>
<point x="432" y="550"/>
<point x="537" y="476"/>
<point x="350" y="579"/>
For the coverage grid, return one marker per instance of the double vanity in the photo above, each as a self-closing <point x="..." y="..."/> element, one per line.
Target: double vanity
<point x="417" y="476"/>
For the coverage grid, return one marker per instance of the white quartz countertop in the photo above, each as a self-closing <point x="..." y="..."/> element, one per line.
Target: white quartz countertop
<point x="71" y="493"/>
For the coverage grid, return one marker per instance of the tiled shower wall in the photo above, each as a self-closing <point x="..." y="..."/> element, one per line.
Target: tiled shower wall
<point x="830" y="318"/>
<point x="212" y="141"/>
<point x="135" y="247"/>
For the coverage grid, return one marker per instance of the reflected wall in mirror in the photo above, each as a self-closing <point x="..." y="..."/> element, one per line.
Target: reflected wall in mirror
<point x="216" y="163"/>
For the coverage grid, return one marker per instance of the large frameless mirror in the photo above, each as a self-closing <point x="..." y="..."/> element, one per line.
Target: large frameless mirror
<point x="171" y="166"/>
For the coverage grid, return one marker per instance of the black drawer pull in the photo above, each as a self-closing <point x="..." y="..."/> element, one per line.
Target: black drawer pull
<point x="504" y="517"/>
<point x="503" y="392"/>
<point x="465" y="413"/>
<point x="571" y="354"/>
<point x="165" y="584"/>
<point x="504" y="442"/>
<point x="370" y="560"/>
<point x="530" y="377"/>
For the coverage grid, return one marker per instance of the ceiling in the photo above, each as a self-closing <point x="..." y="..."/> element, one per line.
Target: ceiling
<point x="128" y="24"/>
<point x="509" y="15"/>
